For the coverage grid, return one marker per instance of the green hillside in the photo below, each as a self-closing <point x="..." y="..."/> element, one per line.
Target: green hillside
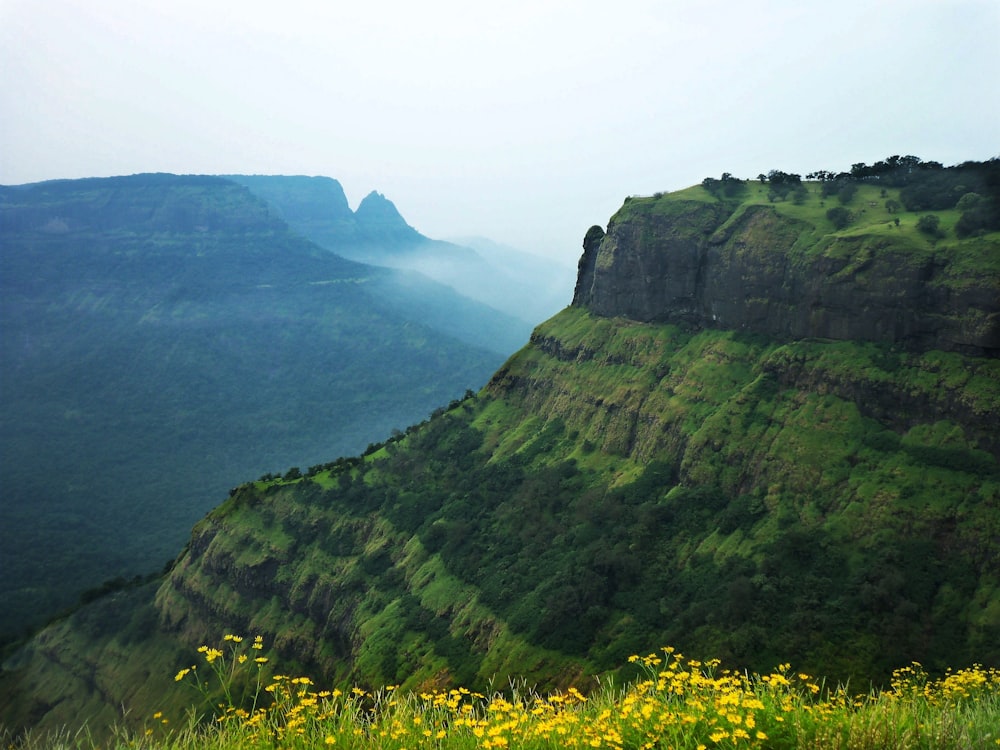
<point x="712" y="506"/>
<point x="743" y="491"/>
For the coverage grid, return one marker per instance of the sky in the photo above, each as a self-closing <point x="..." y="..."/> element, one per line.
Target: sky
<point x="525" y="122"/>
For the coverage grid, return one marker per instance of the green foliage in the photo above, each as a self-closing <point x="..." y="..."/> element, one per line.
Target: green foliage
<point x="839" y="216"/>
<point x="726" y="187"/>
<point x="979" y="215"/>
<point x="781" y="184"/>
<point x="846" y="192"/>
<point x="930" y="224"/>
<point x="756" y="517"/>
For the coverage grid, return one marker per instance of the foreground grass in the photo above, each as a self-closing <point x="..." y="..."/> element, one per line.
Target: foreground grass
<point x="673" y="702"/>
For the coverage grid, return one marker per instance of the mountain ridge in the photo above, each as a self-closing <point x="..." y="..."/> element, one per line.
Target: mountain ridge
<point x="526" y="288"/>
<point x="180" y="319"/>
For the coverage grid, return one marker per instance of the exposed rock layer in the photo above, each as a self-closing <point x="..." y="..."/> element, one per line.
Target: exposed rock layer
<point x="749" y="271"/>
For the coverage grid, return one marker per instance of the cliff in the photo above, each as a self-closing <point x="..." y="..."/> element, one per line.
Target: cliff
<point x="782" y="270"/>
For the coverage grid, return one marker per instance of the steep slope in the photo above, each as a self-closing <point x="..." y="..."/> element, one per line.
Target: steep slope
<point x="163" y="338"/>
<point x="621" y="484"/>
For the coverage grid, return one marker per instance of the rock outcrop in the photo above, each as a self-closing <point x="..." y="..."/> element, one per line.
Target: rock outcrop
<point x="760" y="271"/>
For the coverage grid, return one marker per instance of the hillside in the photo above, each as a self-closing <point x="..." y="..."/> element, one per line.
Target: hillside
<point x="166" y="337"/>
<point x="783" y="479"/>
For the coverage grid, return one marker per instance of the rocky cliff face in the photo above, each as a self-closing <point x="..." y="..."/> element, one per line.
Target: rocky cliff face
<point x="753" y="268"/>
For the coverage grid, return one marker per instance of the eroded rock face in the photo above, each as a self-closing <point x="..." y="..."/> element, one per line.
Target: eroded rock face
<point x="759" y="272"/>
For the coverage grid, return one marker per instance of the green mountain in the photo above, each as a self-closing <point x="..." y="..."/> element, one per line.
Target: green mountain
<point x="165" y="337"/>
<point x="758" y="433"/>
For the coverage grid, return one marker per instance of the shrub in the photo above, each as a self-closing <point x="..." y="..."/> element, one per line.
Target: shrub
<point x="929" y="224"/>
<point x="839" y="216"/>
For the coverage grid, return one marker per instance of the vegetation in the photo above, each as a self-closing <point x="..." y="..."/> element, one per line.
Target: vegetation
<point x="727" y="187"/>
<point x="839" y="216"/>
<point x="971" y="188"/>
<point x="668" y="701"/>
<point x="761" y="498"/>
<point x="163" y="339"/>
<point x="714" y="498"/>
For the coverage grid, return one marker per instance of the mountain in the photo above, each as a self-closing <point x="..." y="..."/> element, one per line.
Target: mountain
<point x="523" y="286"/>
<point x="721" y="445"/>
<point x="164" y="337"/>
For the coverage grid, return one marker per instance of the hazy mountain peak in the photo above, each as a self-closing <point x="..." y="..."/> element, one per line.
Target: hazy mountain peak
<point x="375" y="208"/>
<point x="378" y="218"/>
<point x="299" y="197"/>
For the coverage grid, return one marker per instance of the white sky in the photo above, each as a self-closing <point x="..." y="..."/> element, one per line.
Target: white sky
<point x="524" y="121"/>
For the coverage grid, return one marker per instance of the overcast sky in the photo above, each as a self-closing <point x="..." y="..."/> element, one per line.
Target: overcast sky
<point x="522" y="121"/>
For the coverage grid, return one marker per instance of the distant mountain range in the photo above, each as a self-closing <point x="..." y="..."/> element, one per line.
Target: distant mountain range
<point x="165" y="337"/>
<point x="520" y="284"/>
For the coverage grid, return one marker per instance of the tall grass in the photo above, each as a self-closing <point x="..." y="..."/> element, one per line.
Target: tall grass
<point x="672" y="702"/>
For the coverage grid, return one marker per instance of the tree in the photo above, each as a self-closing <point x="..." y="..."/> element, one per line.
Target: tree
<point x="846" y="192"/>
<point x="839" y="216"/>
<point x="968" y="201"/>
<point x="728" y="186"/>
<point x="929" y="224"/>
<point x="781" y="184"/>
<point x="732" y="186"/>
<point x="892" y="206"/>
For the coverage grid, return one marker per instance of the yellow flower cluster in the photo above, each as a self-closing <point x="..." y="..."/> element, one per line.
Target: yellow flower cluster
<point x="955" y="686"/>
<point x="674" y="702"/>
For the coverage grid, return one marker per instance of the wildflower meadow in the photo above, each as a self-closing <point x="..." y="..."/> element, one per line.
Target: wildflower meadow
<point x="674" y="702"/>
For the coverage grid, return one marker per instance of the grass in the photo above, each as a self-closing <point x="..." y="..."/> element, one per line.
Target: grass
<point x="669" y="701"/>
<point x="872" y="224"/>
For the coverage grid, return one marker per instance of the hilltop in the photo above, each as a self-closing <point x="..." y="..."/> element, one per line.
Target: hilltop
<point x="722" y="445"/>
<point x="839" y="258"/>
